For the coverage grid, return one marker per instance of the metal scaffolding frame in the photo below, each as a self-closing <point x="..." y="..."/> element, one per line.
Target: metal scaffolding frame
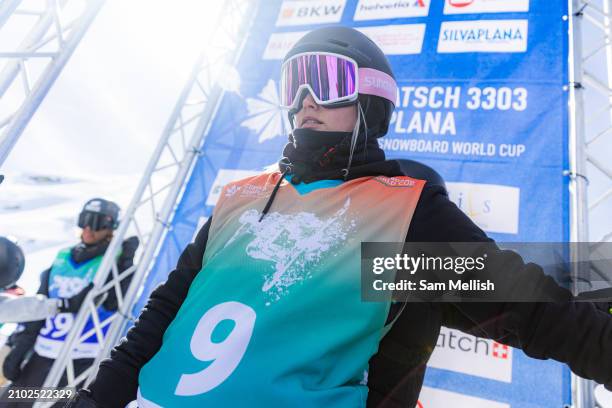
<point x="37" y="61"/>
<point x="590" y="145"/>
<point x="154" y="203"/>
<point x="596" y="80"/>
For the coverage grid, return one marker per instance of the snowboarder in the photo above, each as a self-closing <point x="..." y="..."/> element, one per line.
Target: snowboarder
<point x="264" y="308"/>
<point x="70" y="277"/>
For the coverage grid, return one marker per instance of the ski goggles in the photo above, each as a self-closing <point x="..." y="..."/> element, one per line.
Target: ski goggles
<point x="333" y="80"/>
<point x="95" y="221"/>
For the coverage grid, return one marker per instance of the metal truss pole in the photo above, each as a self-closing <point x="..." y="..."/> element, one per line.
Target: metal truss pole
<point x="582" y="390"/>
<point x="577" y="153"/>
<point x="596" y="66"/>
<point x="6" y="10"/>
<point x="49" y="29"/>
<point x="154" y="203"/>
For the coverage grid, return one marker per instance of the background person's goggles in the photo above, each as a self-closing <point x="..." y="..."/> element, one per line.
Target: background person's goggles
<point x="95" y="221"/>
<point x="331" y="79"/>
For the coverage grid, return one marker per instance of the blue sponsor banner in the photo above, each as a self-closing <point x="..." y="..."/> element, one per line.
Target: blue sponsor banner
<point x="482" y="99"/>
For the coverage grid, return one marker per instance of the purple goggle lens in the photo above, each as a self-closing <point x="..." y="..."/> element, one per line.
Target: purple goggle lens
<point x="329" y="78"/>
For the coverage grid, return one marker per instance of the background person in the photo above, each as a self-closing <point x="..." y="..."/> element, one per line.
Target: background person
<point x="69" y="277"/>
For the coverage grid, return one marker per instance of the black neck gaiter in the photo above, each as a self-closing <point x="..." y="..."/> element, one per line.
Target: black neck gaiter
<point x="84" y="252"/>
<point x="314" y="155"/>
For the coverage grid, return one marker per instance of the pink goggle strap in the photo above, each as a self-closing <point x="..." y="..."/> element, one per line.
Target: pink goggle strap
<point x="378" y="83"/>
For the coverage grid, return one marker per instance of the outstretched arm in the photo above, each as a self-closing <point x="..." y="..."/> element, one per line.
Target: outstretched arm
<point x="576" y="333"/>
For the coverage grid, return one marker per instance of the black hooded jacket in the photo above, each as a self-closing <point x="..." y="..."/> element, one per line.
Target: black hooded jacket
<point x="576" y="333"/>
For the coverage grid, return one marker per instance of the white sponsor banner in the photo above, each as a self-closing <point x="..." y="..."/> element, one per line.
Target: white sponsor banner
<point x="484" y="6"/>
<point x="309" y="12"/>
<point x="225" y="176"/>
<point x="383" y="9"/>
<point x="493" y="207"/>
<point x="280" y="43"/>
<point x="397" y="39"/>
<point x="483" y="36"/>
<point x="436" y="398"/>
<point x="463" y="353"/>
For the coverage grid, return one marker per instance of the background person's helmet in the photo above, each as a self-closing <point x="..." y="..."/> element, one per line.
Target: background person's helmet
<point x="99" y="214"/>
<point x="12" y="262"/>
<point x="354" y="44"/>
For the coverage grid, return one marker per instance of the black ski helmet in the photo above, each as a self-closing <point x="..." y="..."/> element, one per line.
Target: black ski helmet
<point x="99" y="214"/>
<point x="12" y="262"/>
<point x="354" y="44"/>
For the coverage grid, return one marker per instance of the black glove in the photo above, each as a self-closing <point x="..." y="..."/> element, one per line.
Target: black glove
<point x="11" y="368"/>
<point x="73" y="304"/>
<point x="601" y="298"/>
<point x="129" y="246"/>
<point x="82" y="400"/>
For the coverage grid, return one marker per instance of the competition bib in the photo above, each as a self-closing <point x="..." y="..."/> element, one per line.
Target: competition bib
<point x="67" y="279"/>
<point x="275" y="316"/>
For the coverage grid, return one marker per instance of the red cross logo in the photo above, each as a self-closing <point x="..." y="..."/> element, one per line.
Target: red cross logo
<point x="500" y="350"/>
